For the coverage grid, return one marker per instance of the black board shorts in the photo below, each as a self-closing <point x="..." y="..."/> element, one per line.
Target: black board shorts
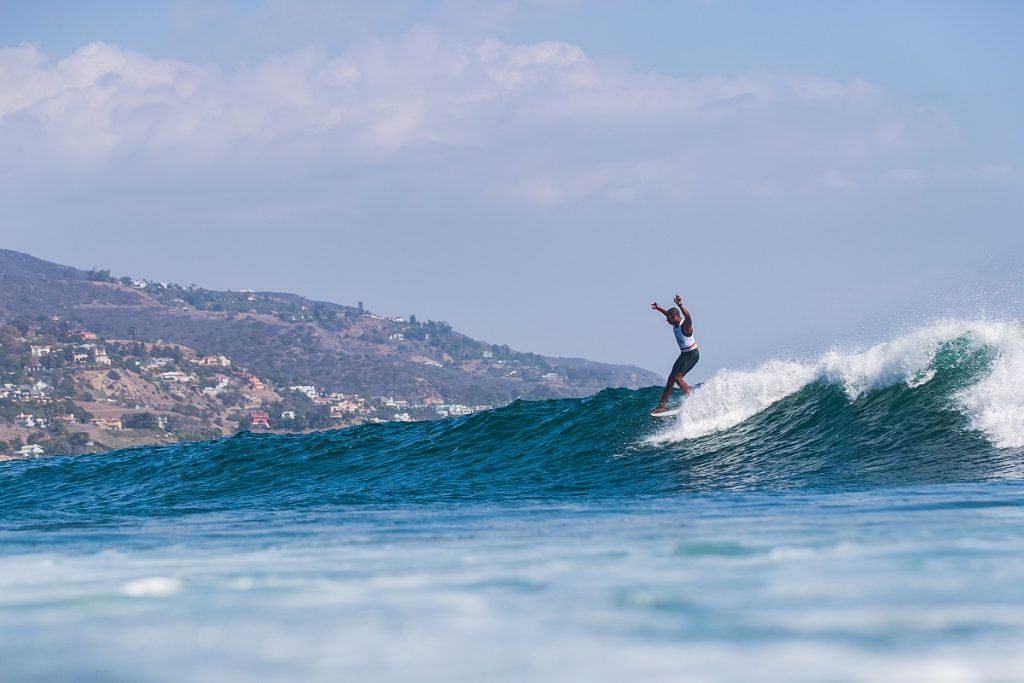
<point x="686" y="361"/>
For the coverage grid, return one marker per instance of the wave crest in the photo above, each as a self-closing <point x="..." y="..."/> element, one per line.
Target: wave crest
<point x="994" y="403"/>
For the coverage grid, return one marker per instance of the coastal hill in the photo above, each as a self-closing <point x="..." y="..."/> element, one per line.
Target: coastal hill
<point x="245" y="353"/>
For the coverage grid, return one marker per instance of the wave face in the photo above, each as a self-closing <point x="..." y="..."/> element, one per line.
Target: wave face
<point x="942" y="404"/>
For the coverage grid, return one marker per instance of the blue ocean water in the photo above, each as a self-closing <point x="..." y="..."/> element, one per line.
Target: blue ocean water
<point x="855" y="517"/>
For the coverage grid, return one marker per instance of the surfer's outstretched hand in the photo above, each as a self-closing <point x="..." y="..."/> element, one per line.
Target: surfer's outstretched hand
<point x="678" y="300"/>
<point x="655" y="306"/>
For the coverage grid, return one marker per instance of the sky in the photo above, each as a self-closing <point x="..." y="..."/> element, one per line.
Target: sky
<point x="535" y="172"/>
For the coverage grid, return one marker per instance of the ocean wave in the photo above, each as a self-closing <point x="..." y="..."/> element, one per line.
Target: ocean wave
<point x="944" y="403"/>
<point x="993" y="404"/>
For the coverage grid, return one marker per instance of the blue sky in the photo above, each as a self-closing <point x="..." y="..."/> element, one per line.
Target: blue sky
<point x="534" y="172"/>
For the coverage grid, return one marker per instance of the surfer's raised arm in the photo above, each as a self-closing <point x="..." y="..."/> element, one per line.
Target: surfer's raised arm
<point x="656" y="306"/>
<point x="687" y="319"/>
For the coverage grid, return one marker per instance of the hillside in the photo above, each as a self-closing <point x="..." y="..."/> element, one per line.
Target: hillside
<point x="380" y="367"/>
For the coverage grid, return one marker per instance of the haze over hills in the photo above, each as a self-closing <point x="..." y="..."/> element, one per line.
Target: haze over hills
<point x="139" y="345"/>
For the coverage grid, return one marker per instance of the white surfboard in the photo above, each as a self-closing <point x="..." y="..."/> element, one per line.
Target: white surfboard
<point x="667" y="413"/>
<point x="676" y="411"/>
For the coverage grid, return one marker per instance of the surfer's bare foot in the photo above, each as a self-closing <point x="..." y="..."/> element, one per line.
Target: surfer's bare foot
<point x="659" y="409"/>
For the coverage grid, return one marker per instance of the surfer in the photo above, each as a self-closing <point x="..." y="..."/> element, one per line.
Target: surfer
<point x="682" y="326"/>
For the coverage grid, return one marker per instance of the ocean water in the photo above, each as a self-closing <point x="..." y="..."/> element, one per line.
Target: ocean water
<point x="854" y="517"/>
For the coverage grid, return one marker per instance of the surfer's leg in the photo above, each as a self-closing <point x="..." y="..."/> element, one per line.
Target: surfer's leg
<point x="665" y="394"/>
<point x="685" y="363"/>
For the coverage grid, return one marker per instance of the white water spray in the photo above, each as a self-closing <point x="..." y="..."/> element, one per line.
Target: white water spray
<point x="994" y="405"/>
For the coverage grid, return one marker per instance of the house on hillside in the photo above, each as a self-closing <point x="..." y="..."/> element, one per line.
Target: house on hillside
<point x="25" y="420"/>
<point x="219" y="388"/>
<point x="288" y="415"/>
<point x="259" y="419"/>
<point x="176" y="376"/>
<point x="254" y="382"/>
<point x="40" y="351"/>
<point x="110" y="423"/>
<point x="31" y="451"/>
<point x="212" y="361"/>
<point x="306" y="389"/>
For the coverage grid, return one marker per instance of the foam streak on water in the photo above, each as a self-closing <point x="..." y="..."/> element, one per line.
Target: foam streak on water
<point x="865" y="587"/>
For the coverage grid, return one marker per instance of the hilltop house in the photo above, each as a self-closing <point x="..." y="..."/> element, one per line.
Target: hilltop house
<point x="31" y="451"/>
<point x="110" y="423"/>
<point x="25" y="420"/>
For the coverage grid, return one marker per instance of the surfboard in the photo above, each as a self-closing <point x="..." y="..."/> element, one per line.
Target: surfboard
<point x="667" y="413"/>
<point x="676" y="411"/>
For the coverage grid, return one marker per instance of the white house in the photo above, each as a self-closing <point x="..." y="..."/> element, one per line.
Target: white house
<point x="25" y="420"/>
<point x="176" y="376"/>
<point x="31" y="451"/>
<point x="306" y="389"/>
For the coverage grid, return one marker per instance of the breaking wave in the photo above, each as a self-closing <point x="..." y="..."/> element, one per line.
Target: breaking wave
<point x="942" y="404"/>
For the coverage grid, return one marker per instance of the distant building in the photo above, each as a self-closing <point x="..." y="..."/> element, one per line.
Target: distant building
<point x="25" y="420"/>
<point x="288" y="415"/>
<point x="31" y="451"/>
<point x="306" y="389"/>
<point x="176" y="376"/>
<point x="254" y="382"/>
<point x="212" y="361"/>
<point x="259" y="418"/>
<point x="113" y="424"/>
<point x="40" y="351"/>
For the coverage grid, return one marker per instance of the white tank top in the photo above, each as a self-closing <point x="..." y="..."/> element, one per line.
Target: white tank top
<point x="685" y="343"/>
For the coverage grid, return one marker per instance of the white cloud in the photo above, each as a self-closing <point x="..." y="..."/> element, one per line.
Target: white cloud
<point x="543" y="123"/>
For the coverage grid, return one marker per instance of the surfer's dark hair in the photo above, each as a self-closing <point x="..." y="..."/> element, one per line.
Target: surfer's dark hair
<point x="675" y="310"/>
